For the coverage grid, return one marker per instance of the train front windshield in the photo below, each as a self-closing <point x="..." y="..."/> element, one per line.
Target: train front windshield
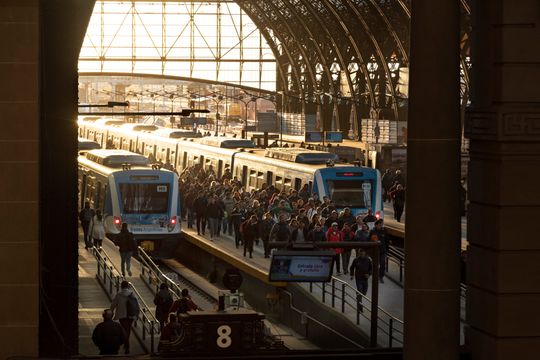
<point x="144" y="198"/>
<point x="350" y="193"/>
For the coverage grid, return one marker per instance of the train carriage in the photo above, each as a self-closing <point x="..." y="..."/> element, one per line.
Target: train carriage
<point x="126" y="189"/>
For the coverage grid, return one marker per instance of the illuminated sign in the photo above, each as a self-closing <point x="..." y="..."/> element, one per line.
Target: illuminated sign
<point x="301" y="266"/>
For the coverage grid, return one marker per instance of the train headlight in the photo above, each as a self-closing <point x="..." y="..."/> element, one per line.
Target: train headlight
<point x="173" y="220"/>
<point x="378" y="215"/>
<point x="172" y="224"/>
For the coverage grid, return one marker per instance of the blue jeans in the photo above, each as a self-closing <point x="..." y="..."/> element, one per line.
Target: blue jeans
<point x="225" y="222"/>
<point x="126" y="262"/>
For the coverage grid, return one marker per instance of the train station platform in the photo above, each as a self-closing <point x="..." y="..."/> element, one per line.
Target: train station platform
<point x="95" y="296"/>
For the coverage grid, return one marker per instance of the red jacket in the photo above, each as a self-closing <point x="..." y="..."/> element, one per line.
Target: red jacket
<point x="334" y="236"/>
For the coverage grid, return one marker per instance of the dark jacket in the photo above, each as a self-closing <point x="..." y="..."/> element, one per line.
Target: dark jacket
<point x="163" y="301"/>
<point x="108" y="336"/>
<point x="200" y="205"/>
<point x="280" y="232"/>
<point x="361" y="268"/>
<point x="317" y="236"/>
<point x="266" y="227"/>
<point x="381" y="236"/>
<point x="250" y="231"/>
<point x="294" y="234"/>
<point x="126" y="241"/>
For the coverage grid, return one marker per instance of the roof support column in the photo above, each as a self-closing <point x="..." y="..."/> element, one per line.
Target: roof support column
<point x="432" y="245"/>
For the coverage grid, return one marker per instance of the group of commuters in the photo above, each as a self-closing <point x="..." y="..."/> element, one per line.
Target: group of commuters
<point x="115" y="330"/>
<point x="221" y="205"/>
<point x="92" y="224"/>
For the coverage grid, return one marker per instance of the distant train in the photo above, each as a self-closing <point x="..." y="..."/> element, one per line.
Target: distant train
<point x="126" y="189"/>
<point x="358" y="188"/>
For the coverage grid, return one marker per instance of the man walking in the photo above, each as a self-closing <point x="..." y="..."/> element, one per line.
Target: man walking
<point x="85" y="217"/>
<point x="126" y="309"/>
<point x="361" y="269"/>
<point x="128" y="247"/>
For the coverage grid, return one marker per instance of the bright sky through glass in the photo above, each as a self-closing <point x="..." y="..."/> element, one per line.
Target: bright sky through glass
<point x="212" y="41"/>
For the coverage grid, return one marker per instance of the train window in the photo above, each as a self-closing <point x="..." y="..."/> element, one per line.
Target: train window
<point x="287" y="183"/>
<point x="279" y="182"/>
<point x="269" y="178"/>
<point x="297" y="184"/>
<point x="253" y="179"/>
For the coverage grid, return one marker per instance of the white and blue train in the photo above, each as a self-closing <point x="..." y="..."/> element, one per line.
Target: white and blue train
<point x="348" y="185"/>
<point x="128" y="190"/>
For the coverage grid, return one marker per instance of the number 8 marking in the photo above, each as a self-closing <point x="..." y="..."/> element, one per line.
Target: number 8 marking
<point x="224" y="340"/>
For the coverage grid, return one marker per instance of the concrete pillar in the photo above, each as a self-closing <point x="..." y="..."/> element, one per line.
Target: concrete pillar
<point x="63" y="25"/>
<point x="503" y="125"/>
<point x="433" y="217"/>
<point x="19" y="194"/>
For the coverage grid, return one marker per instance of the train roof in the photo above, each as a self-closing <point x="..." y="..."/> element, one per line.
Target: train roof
<point x="300" y="155"/>
<point x="85" y="144"/>
<point x="116" y="158"/>
<point x="109" y="122"/>
<point x="177" y="133"/>
<point x="227" y="142"/>
<point x="139" y="127"/>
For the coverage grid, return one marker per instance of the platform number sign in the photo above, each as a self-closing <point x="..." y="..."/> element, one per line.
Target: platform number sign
<point x="224" y="336"/>
<point x="224" y="339"/>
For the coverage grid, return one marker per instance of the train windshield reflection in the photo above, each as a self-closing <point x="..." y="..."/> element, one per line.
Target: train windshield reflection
<point x="350" y="193"/>
<point x="144" y="198"/>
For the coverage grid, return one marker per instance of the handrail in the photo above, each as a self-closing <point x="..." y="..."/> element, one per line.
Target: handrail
<point x="388" y="324"/>
<point x="154" y="270"/>
<point x="309" y="317"/>
<point x="110" y="272"/>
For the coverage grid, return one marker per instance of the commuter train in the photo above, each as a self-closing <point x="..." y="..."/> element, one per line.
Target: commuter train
<point x="358" y="188"/>
<point x="126" y="189"/>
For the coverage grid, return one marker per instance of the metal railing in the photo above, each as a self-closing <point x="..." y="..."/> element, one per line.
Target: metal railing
<point x="396" y="256"/>
<point x="305" y="319"/>
<point x="344" y="296"/>
<point x="109" y="278"/>
<point x="153" y="276"/>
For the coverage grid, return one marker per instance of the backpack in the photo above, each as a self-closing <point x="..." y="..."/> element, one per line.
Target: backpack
<point x="132" y="306"/>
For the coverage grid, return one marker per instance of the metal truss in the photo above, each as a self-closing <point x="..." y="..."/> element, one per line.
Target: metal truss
<point x="184" y="37"/>
<point x="337" y="44"/>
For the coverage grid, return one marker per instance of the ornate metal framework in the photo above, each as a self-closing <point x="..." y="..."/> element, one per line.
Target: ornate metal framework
<point x="210" y="40"/>
<point x="344" y="56"/>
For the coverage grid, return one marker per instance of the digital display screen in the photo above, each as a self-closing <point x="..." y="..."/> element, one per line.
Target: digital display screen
<point x="349" y="173"/>
<point x="313" y="136"/>
<point x="301" y="266"/>
<point x="333" y="136"/>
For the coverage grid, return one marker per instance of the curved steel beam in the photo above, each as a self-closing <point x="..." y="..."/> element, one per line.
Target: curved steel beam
<point x="292" y="34"/>
<point x="313" y="40"/>
<point x="332" y="40"/>
<point x="380" y="54"/>
<point x="356" y="50"/>
<point x="274" y="49"/>
<point x="390" y="28"/>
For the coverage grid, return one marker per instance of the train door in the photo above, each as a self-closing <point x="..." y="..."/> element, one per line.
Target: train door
<point x="297" y="184"/>
<point x="220" y="169"/>
<point x="244" y="175"/>
<point x="269" y="178"/>
<point x="99" y="195"/>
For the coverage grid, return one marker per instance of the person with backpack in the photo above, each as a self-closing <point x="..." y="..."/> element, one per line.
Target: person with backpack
<point x="163" y="301"/>
<point x="361" y="269"/>
<point x="126" y="309"/>
<point x="184" y="304"/>
<point x="85" y="217"/>
<point x="127" y="246"/>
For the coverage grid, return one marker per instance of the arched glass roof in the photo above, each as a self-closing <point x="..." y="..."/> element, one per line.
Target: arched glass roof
<point x="213" y="40"/>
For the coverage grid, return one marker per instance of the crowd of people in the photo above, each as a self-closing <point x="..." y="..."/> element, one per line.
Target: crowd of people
<point x="393" y="184"/>
<point x="220" y="205"/>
